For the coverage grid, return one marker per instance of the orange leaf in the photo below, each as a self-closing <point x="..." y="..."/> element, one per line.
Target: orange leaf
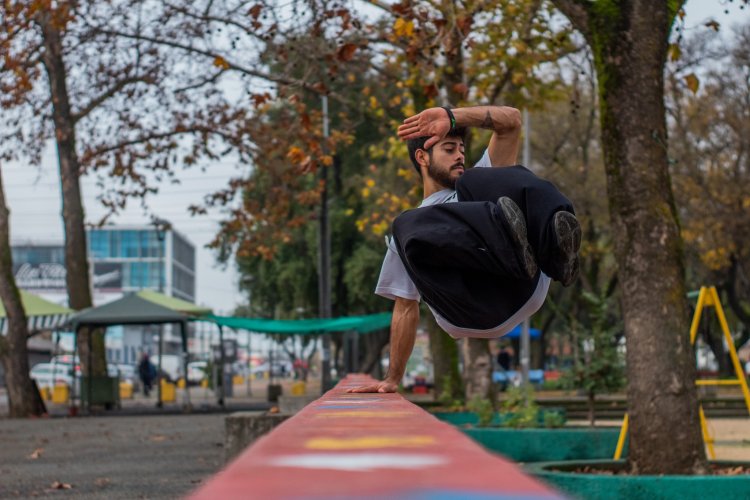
<point x="220" y="62"/>
<point x="461" y="88"/>
<point x="346" y="52"/>
<point x="255" y="10"/>
<point x="692" y="82"/>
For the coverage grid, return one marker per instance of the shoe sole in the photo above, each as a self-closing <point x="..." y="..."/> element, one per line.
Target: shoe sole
<point x="568" y="233"/>
<point x="517" y="223"/>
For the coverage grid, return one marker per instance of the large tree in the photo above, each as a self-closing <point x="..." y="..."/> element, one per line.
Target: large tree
<point x="23" y="398"/>
<point x="122" y="109"/>
<point x="629" y="40"/>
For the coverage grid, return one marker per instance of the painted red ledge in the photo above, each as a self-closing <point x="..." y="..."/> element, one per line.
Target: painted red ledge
<point x="369" y="446"/>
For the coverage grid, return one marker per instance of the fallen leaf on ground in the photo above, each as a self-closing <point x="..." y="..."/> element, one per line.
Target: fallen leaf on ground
<point x="36" y="453"/>
<point x="158" y="438"/>
<point x="102" y="481"/>
<point x="57" y="485"/>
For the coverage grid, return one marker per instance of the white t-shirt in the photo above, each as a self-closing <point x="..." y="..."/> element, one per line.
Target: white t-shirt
<point x="394" y="281"/>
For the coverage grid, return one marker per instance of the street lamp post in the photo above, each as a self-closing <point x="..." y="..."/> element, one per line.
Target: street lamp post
<point x="324" y="267"/>
<point x="161" y="226"/>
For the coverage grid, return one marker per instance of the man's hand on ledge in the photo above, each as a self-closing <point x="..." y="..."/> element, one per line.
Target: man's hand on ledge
<point x="384" y="386"/>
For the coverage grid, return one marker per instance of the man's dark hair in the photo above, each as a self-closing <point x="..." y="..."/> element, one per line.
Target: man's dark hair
<point x="418" y="143"/>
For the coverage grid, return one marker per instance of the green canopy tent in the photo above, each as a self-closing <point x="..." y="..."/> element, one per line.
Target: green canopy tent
<point x="42" y="314"/>
<point x="131" y="310"/>
<point x="358" y="324"/>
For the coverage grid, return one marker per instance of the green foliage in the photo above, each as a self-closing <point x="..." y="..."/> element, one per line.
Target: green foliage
<point x="448" y="397"/>
<point x="519" y="410"/>
<point x="553" y="420"/>
<point x="483" y="408"/>
<point x="598" y="365"/>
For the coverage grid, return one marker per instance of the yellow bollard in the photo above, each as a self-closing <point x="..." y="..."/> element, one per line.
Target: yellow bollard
<point x="238" y="380"/>
<point x="204" y="383"/>
<point x="181" y="383"/>
<point x="126" y="390"/>
<point x="45" y="393"/>
<point x="299" y="388"/>
<point x="168" y="392"/>
<point x="60" y="394"/>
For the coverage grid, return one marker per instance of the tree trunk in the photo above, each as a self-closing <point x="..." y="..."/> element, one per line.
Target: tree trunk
<point x="444" y="353"/>
<point x="591" y="404"/>
<point x="76" y="264"/>
<point x="372" y="352"/>
<point x="478" y="370"/>
<point x="23" y="396"/>
<point x="629" y="40"/>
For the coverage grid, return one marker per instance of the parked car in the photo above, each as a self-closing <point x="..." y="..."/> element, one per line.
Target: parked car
<point x="197" y="371"/>
<point x="49" y="374"/>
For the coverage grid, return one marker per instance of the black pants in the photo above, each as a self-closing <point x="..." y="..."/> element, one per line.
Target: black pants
<point x="461" y="258"/>
<point x="538" y="199"/>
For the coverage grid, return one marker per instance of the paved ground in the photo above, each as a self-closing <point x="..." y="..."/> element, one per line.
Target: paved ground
<point x="109" y="457"/>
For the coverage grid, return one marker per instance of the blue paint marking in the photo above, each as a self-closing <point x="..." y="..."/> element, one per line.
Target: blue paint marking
<point x="444" y="495"/>
<point x="339" y="407"/>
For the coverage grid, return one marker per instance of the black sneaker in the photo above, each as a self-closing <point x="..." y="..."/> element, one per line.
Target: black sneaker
<point x="568" y="233"/>
<point x="517" y="225"/>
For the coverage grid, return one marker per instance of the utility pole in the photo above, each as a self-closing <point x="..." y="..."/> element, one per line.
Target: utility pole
<point x="324" y="262"/>
<point x="525" y="334"/>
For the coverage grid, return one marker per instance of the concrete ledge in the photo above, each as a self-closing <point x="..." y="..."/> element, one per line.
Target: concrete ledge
<point x="369" y="446"/>
<point x="290" y="405"/>
<point x="243" y="428"/>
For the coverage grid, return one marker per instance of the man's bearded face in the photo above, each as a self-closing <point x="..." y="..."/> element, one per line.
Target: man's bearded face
<point x="447" y="162"/>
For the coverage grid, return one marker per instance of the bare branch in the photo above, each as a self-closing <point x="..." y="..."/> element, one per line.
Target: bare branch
<point x="228" y="64"/>
<point x="118" y="86"/>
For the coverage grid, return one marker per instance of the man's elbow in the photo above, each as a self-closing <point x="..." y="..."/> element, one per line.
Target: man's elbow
<point x="513" y="119"/>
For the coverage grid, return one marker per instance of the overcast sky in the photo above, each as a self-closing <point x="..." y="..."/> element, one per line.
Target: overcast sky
<point x="34" y="194"/>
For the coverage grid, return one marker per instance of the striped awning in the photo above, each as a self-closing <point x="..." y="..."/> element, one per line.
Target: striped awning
<point x="42" y="314"/>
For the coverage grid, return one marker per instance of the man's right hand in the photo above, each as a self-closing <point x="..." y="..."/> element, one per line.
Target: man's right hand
<point x="384" y="386"/>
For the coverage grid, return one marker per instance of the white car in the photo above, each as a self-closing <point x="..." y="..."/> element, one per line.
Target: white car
<point x="49" y="374"/>
<point x="197" y="371"/>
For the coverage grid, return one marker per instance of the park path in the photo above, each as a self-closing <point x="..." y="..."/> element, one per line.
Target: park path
<point x="109" y="457"/>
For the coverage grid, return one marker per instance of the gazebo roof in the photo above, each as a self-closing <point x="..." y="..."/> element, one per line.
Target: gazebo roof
<point x="174" y="303"/>
<point x="129" y="310"/>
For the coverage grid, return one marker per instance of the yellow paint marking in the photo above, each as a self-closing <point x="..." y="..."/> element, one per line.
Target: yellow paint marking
<point x="365" y="414"/>
<point x="369" y="442"/>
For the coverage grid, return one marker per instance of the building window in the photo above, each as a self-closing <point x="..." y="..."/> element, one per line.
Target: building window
<point x="99" y="244"/>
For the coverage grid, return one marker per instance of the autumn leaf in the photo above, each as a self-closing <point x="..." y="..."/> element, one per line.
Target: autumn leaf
<point x="461" y="88"/>
<point x="220" y="62"/>
<point x="58" y="485"/>
<point x="255" y="10"/>
<point x="402" y="27"/>
<point x="295" y="154"/>
<point x="714" y="25"/>
<point x="346" y="52"/>
<point x="674" y="52"/>
<point x="36" y="454"/>
<point x="692" y="82"/>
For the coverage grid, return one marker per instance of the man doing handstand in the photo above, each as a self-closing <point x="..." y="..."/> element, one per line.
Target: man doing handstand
<point x="483" y="264"/>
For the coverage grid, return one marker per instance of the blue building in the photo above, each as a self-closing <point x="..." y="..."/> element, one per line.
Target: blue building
<point x="128" y="259"/>
<point x="122" y="259"/>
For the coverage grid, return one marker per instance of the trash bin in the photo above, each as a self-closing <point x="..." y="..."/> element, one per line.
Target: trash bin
<point x="104" y="391"/>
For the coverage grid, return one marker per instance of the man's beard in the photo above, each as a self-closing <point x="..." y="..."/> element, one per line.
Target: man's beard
<point x="442" y="177"/>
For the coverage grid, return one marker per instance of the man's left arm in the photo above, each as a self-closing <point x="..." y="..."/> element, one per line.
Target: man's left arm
<point x="504" y="121"/>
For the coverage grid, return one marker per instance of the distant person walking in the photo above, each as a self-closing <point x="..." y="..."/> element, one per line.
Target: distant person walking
<point x="147" y="373"/>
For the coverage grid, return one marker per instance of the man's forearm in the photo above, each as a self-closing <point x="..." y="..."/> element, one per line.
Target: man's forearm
<point x="504" y="121"/>
<point x="403" y="333"/>
<point x="500" y="119"/>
